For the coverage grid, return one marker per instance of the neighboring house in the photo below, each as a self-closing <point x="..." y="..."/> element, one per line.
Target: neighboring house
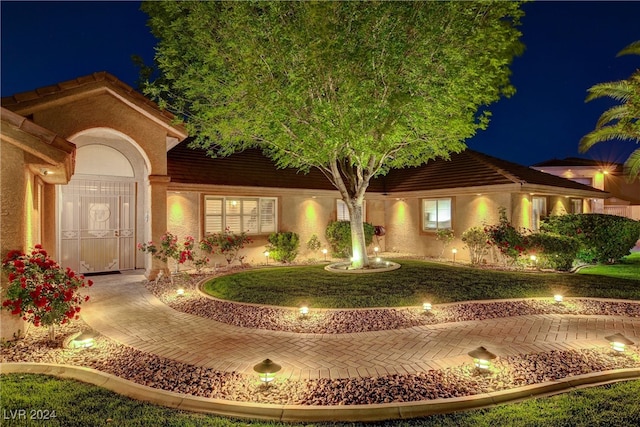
<point x="624" y="197"/>
<point x="90" y="168"/>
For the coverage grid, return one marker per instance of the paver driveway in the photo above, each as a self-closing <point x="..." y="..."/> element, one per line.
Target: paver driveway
<point x="122" y="309"/>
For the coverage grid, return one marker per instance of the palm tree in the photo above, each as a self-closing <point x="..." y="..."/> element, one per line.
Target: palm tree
<point x="621" y="121"/>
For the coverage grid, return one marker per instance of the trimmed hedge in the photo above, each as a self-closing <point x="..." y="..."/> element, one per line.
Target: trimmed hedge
<point x="554" y="250"/>
<point x="603" y="238"/>
<point x="338" y="235"/>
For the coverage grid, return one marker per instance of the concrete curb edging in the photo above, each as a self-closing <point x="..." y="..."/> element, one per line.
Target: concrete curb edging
<point x="304" y="413"/>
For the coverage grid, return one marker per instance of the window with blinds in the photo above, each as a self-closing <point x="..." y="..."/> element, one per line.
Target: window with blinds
<point x="240" y="214"/>
<point x="436" y="214"/>
<point x="342" y="211"/>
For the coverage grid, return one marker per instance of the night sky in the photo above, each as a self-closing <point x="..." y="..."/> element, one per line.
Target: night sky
<point x="570" y="46"/>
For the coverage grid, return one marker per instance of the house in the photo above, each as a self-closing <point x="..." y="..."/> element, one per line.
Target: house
<point x="624" y="197"/>
<point x="90" y="168"/>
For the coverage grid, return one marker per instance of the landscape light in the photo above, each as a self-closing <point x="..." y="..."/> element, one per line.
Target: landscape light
<point x="618" y="342"/>
<point x="180" y="292"/>
<point x="376" y="249"/>
<point x="454" y="251"/>
<point x="324" y="252"/>
<point x="558" y="298"/>
<point x="267" y="370"/>
<point x="83" y="340"/>
<point x="378" y="260"/>
<point x="266" y="255"/>
<point x="482" y="358"/>
<point x="304" y="311"/>
<point x="426" y="307"/>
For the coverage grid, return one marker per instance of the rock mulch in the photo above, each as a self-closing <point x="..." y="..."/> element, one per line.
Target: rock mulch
<point x="366" y="320"/>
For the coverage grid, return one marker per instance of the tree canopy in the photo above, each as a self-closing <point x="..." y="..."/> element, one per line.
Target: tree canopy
<point x="351" y="88"/>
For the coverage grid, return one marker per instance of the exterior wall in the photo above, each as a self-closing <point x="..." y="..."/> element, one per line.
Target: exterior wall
<point x="559" y="205"/>
<point x="14" y="181"/>
<point x="404" y="223"/>
<point x="304" y="214"/>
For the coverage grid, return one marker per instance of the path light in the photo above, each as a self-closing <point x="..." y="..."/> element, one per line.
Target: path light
<point x="267" y="370"/>
<point x="376" y="249"/>
<point x="454" y="251"/>
<point x="378" y="260"/>
<point x="324" y="252"/>
<point x="426" y="307"/>
<point x="180" y="292"/>
<point x="558" y="298"/>
<point x="534" y="260"/>
<point x="266" y="255"/>
<point x="304" y="311"/>
<point x="618" y="342"/>
<point x="83" y="340"/>
<point x="482" y="358"/>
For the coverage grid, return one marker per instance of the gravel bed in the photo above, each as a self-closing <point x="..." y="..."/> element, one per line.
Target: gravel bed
<point x="167" y="374"/>
<point x="365" y="320"/>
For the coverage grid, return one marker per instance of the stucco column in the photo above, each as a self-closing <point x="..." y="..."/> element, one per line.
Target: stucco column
<point x="12" y="210"/>
<point x="158" y="221"/>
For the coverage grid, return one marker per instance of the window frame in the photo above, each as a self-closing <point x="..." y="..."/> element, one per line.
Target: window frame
<point x="423" y="225"/>
<point x="225" y="216"/>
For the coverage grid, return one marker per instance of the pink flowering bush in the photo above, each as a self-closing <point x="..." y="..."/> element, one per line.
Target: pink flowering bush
<point x="171" y="248"/>
<point x="40" y="291"/>
<point x="227" y="244"/>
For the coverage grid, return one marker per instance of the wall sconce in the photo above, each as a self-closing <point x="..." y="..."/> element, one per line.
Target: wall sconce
<point x="324" y="252"/>
<point x="558" y="298"/>
<point x="267" y="370"/>
<point x="482" y="358"/>
<point x="304" y="311"/>
<point x="180" y="292"/>
<point x="266" y="255"/>
<point x="618" y="342"/>
<point x="454" y="251"/>
<point x="83" y="340"/>
<point x="426" y="307"/>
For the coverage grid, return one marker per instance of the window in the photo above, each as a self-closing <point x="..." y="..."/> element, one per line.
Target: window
<point x="343" y="211"/>
<point x="251" y="215"/>
<point x="576" y="206"/>
<point x="436" y="214"/>
<point x="539" y="212"/>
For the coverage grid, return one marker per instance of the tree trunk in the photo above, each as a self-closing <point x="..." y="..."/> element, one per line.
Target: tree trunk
<point x="358" y="242"/>
<point x="52" y="333"/>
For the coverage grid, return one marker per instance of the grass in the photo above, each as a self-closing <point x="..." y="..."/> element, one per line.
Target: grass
<point x="629" y="268"/>
<point x="79" y="404"/>
<point x="413" y="283"/>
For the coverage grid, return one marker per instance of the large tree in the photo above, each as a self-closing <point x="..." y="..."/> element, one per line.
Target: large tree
<point x="620" y="121"/>
<point x="351" y="88"/>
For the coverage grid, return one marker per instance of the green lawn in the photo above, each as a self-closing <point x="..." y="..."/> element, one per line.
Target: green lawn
<point x="629" y="268"/>
<point x="410" y="285"/>
<point x="81" y="405"/>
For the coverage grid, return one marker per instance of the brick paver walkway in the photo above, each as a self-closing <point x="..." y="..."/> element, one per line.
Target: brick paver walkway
<point x="122" y="309"/>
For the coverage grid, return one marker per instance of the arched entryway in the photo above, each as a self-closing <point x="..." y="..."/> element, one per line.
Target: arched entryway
<point x="101" y="210"/>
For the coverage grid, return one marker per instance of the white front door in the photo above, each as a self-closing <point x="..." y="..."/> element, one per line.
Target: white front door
<point x="97" y="225"/>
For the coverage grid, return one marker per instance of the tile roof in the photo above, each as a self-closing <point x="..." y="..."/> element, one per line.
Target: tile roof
<point x="24" y="101"/>
<point x="577" y="161"/>
<point x="251" y="168"/>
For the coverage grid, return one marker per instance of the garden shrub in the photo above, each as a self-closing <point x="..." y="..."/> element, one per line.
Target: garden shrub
<point x="603" y="238"/>
<point x="554" y="250"/>
<point x="283" y="246"/>
<point x="475" y="239"/>
<point x="446" y="236"/>
<point x="338" y="235"/>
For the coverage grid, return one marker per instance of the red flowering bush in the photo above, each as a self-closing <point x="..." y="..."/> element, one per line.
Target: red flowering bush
<point x="40" y="291"/>
<point x="226" y="243"/>
<point x="510" y="242"/>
